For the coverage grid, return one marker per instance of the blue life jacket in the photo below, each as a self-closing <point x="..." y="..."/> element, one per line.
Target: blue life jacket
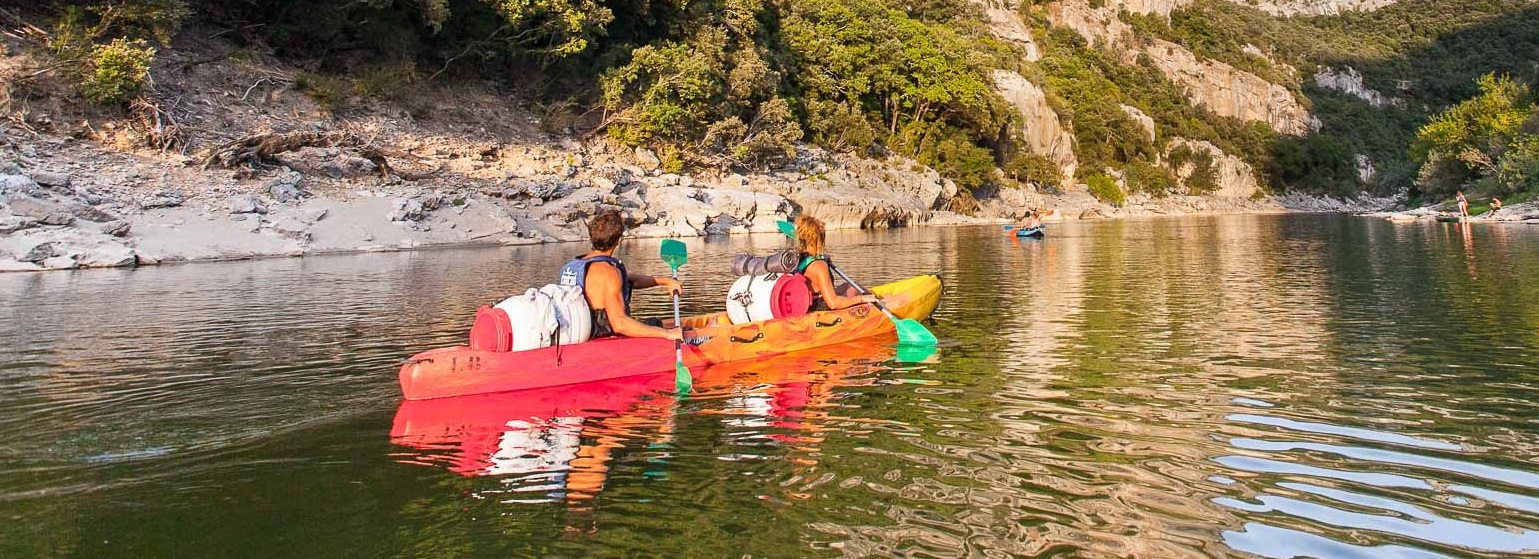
<point x="575" y="273"/>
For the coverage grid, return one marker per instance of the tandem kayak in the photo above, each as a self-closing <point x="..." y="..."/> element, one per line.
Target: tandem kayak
<point x="544" y="429"/>
<point x="460" y="370"/>
<point x="1033" y="233"/>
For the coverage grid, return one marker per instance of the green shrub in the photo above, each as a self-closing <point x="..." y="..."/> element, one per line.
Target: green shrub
<point x="1029" y="167"/>
<point x="1203" y="176"/>
<point x="1105" y="189"/>
<point x="330" y="92"/>
<point x="950" y="152"/>
<point x="1518" y="169"/>
<point x="117" y="71"/>
<point x="673" y="160"/>
<point x="1316" y="163"/>
<point x="1490" y="136"/>
<point x="1143" y="176"/>
<point x="386" y="81"/>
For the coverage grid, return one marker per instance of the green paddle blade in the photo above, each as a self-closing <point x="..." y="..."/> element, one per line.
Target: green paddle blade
<point x="787" y="228"/>
<point x="682" y="381"/>
<point x="911" y="332"/>
<point x="674" y="253"/>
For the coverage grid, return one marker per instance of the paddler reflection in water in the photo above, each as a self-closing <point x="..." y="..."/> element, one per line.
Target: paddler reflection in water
<point x="815" y="265"/>
<point x="607" y="285"/>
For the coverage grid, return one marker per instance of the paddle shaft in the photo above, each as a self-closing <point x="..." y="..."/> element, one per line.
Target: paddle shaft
<point x="863" y="291"/>
<point x="678" y="345"/>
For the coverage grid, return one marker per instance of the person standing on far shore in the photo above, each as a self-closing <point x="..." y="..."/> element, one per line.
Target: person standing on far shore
<point x="1496" y="204"/>
<point x="1464" y="204"/>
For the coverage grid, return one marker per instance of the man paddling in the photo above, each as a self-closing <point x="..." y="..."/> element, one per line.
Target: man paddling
<point x="607" y="285"/>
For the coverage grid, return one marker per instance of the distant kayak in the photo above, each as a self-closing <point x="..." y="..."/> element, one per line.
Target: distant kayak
<point x="1034" y="232"/>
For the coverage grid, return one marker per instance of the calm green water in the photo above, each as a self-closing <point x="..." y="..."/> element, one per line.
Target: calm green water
<point x="1204" y="387"/>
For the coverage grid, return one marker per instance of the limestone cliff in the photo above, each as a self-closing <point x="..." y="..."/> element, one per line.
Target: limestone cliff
<point x="1100" y="27"/>
<point x="1004" y="22"/>
<point x="1040" y="128"/>
<point x="1229" y="91"/>
<point x="1313" y="7"/>
<point x="1160" y="8"/>
<point x="1347" y="80"/>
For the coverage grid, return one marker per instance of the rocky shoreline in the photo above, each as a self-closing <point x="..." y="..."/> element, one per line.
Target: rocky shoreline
<point x="1526" y="212"/>
<point x="70" y="204"/>
<point x="67" y="203"/>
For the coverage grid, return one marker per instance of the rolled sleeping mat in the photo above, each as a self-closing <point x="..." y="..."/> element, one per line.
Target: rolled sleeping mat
<point x="783" y="262"/>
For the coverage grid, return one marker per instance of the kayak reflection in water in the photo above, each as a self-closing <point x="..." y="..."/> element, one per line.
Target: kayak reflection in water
<point x="814" y="265"/>
<point x="607" y="285"/>
<point x="561" y="444"/>
<point x="557" y="441"/>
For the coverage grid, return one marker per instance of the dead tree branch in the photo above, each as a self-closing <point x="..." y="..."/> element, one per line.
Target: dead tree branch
<point x="261" y="148"/>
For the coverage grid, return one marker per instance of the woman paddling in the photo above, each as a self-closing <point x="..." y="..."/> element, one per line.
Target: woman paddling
<point x="1033" y="220"/>
<point x="815" y="265"/>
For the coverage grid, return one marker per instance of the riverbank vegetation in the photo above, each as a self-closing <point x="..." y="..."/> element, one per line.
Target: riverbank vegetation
<point x="743" y="84"/>
<point x="722" y="83"/>
<point x="1419" y="56"/>
<point x="1488" y="143"/>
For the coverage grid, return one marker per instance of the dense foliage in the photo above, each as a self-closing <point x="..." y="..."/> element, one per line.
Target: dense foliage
<point x="731" y="83"/>
<point x="1089" y="87"/>
<point x="740" y="83"/>
<point x="1425" y="54"/>
<point x="1489" y="142"/>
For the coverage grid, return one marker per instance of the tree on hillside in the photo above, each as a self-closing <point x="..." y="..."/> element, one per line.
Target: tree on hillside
<point x="1491" y="140"/>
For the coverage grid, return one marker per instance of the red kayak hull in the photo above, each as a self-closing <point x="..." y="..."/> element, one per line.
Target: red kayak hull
<point x="459" y="370"/>
<point x="573" y="429"/>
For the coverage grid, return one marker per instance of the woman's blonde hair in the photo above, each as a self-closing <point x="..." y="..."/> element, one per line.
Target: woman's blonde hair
<point x="809" y="235"/>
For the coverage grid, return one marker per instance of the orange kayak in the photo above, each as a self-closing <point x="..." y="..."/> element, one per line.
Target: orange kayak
<point x="914" y="298"/>
<point x="460" y="370"/>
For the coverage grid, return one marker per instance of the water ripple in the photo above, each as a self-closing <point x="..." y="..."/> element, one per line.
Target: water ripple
<point x="1210" y="387"/>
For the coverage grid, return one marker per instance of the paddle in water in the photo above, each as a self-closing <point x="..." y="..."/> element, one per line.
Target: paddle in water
<point x="675" y="255"/>
<point x="910" y="331"/>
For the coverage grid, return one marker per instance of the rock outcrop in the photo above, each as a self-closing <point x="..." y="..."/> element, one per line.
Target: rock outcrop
<point x="1222" y="88"/>
<point x="1142" y="119"/>
<point x="1100" y="27"/>
<point x="1229" y="91"/>
<point x="1313" y="7"/>
<point x="1040" y="128"/>
<point x="1160" y="8"/>
<point x="1347" y="80"/>
<point x="1236" y="178"/>
<point x="1005" y="22"/>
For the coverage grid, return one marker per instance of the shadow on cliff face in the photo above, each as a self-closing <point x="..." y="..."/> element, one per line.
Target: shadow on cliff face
<point x="1420" y="83"/>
